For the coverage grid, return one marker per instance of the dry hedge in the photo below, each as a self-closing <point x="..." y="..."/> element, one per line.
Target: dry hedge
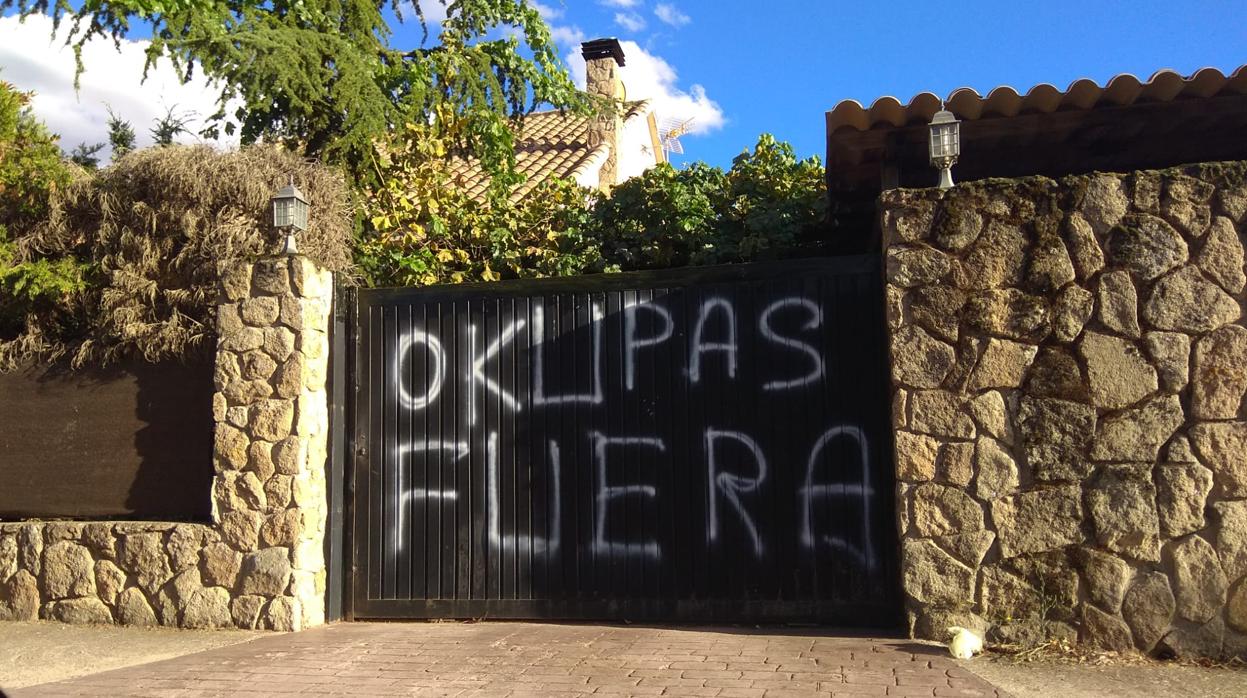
<point x="155" y="227"/>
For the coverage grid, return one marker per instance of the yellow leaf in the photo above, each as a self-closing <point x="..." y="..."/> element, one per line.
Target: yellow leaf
<point x="444" y="256"/>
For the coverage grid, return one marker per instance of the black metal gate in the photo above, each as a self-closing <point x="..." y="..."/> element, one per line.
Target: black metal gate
<point x="704" y="444"/>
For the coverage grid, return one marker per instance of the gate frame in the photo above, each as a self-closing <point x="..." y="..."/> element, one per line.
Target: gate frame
<point x="349" y="458"/>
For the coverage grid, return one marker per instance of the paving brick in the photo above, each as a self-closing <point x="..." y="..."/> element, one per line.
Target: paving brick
<point x="527" y="659"/>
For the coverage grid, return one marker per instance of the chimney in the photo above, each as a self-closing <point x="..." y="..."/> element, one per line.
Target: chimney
<point x="603" y="59"/>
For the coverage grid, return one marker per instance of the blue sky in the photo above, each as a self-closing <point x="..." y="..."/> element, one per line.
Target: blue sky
<point x="743" y="68"/>
<point x="779" y="66"/>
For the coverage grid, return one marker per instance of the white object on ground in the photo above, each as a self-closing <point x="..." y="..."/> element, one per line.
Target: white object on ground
<point x="965" y="643"/>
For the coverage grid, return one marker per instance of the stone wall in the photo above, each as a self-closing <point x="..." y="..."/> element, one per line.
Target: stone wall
<point x="261" y="563"/>
<point x="1069" y="365"/>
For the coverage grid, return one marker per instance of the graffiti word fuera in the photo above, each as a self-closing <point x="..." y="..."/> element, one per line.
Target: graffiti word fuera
<point x="736" y="466"/>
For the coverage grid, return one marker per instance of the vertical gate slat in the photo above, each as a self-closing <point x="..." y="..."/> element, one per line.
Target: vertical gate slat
<point x="462" y="512"/>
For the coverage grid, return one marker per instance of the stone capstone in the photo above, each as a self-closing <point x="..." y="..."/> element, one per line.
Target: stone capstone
<point x="142" y="554"/>
<point x="235" y="281"/>
<point x="1181" y="491"/>
<point x="915" y="266"/>
<point x="133" y="609"/>
<point x="909" y="223"/>
<point x="1055" y="435"/>
<point x="1184" y="301"/>
<point x="270" y="277"/>
<point x="932" y="576"/>
<point x="183" y="546"/>
<point x="997" y="471"/>
<point x="1102" y="630"/>
<point x="1038" y="520"/>
<point x="918" y="359"/>
<point x="68" y="571"/>
<point x="1185" y="202"/>
<point x="1070" y="311"/>
<point x="1002" y="365"/>
<point x="1103" y="203"/>
<point x="1136" y="435"/>
<point x="940" y="413"/>
<point x="1220" y="376"/>
<point x="1222" y="446"/>
<point x="265" y="572"/>
<point x="1148" y="609"/>
<point x="1106" y="577"/>
<point x="1222" y="256"/>
<point x="1117" y="371"/>
<point x="940" y="510"/>
<point x="1146" y="245"/>
<point x="1171" y="354"/>
<point x="1198" y="579"/>
<point x="1122" y="504"/>
<point x="1119" y="303"/>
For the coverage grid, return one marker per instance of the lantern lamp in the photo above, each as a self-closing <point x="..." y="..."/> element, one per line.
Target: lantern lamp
<point x="290" y="209"/>
<point x="945" y="144"/>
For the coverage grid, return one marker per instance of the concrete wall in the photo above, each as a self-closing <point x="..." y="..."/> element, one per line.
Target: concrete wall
<point x="1069" y="365"/>
<point x="261" y="562"/>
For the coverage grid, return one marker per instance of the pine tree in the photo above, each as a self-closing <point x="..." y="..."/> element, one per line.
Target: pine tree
<point x="120" y="134"/>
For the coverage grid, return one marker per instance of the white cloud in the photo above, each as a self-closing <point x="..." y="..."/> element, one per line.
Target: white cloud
<point x="569" y="36"/>
<point x="619" y="3"/>
<point x="33" y="60"/>
<point x="670" y="14"/>
<point x="547" y="12"/>
<point x="631" y="21"/>
<point x="646" y="76"/>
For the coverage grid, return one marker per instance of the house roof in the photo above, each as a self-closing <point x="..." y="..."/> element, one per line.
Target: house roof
<point x="551" y="144"/>
<point x="1004" y="101"/>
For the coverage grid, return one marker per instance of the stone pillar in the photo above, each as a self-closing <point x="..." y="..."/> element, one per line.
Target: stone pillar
<point x="272" y="426"/>
<point x="603" y="59"/>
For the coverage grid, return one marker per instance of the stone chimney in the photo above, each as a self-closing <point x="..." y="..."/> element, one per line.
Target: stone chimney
<point x="603" y="59"/>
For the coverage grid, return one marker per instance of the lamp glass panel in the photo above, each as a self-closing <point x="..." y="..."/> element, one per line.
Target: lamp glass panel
<point x="281" y="212"/>
<point x="299" y="219"/>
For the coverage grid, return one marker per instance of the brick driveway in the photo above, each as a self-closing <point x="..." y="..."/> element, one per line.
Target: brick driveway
<point x="517" y="659"/>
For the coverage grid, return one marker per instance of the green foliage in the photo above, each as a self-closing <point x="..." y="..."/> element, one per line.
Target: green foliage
<point x="322" y="77"/>
<point x="428" y="230"/>
<point x="32" y="173"/>
<point x="86" y="156"/>
<point x="169" y="126"/>
<point x="768" y="205"/>
<point x="31" y="169"/>
<point x="120" y="134"/>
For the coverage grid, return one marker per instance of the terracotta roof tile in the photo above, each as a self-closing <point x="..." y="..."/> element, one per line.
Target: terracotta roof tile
<point x="966" y="104"/>
<point x="551" y="144"/>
